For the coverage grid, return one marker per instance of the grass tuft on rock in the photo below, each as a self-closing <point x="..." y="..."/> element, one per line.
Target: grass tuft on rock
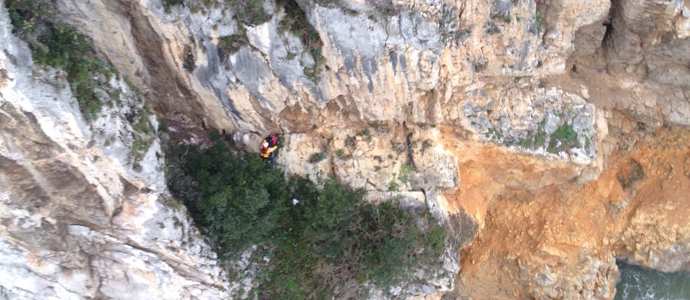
<point x="563" y="138"/>
<point x="230" y="44"/>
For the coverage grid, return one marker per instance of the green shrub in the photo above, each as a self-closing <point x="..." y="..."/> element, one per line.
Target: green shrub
<point x="366" y="133"/>
<point x="343" y="240"/>
<point x="162" y="126"/>
<point x="230" y="44"/>
<point x="168" y="3"/>
<point x="142" y="125"/>
<point x="172" y="2"/>
<point x="317" y="157"/>
<point x="140" y="146"/>
<point x="240" y="198"/>
<point x="391" y="240"/>
<point x="435" y="241"/>
<point x="404" y="173"/>
<point x="330" y="239"/>
<point x="563" y="138"/>
<point x="249" y="11"/>
<point x="27" y="15"/>
<point x="296" y="22"/>
<point x="188" y="59"/>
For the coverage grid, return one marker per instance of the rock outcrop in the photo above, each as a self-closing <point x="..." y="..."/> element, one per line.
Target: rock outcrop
<point x="82" y="216"/>
<point x="536" y="130"/>
<point x="561" y="242"/>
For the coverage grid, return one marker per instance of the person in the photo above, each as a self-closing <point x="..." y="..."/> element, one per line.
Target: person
<point x="268" y="147"/>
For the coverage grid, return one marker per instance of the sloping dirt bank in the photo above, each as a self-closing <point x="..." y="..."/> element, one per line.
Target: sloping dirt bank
<point x="542" y="240"/>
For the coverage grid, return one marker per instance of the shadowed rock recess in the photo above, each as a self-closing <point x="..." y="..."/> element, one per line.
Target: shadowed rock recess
<point x="549" y="138"/>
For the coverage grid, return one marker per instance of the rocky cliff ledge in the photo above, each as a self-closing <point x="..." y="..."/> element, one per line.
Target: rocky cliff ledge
<point x="549" y="136"/>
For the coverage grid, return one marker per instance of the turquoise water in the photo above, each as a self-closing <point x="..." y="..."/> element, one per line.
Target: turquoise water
<point x="637" y="283"/>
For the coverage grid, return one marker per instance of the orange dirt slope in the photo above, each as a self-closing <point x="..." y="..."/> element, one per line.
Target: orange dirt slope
<point x="546" y="237"/>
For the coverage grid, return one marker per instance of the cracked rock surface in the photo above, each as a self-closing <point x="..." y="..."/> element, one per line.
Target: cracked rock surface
<point x="76" y="220"/>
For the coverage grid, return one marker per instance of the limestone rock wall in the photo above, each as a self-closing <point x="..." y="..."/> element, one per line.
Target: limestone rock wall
<point x="487" y="67"/>
<point x="418" y="62"/>
<point x="462" y="105"/>
<point x="81" y="215"/>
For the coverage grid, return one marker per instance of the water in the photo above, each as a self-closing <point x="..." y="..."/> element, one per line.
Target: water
<point x="637" y="283"/>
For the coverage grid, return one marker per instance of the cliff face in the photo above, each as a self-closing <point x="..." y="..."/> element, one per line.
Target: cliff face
<point x="78" y="221"/>
<point x="532" y="128"/>
<point x="511" y="72"/>
<point x="401" y="61"/>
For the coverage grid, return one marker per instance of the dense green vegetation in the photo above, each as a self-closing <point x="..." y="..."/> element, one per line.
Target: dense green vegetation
<point x="327" y="243"/>
<point x="61" y="46"/>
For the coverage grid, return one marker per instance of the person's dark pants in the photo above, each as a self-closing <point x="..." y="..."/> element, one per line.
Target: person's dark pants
<point x="271" y="158"/>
